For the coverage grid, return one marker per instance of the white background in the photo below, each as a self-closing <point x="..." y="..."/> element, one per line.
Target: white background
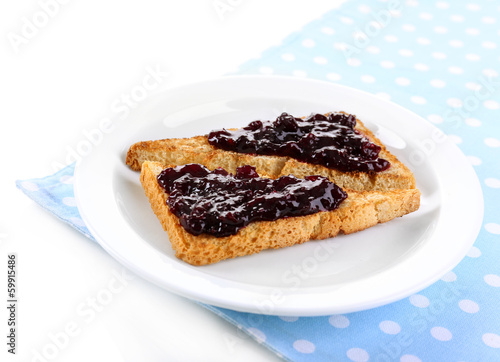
<point x="63" y="67"/>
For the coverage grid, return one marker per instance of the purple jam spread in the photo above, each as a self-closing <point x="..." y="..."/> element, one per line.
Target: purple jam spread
<point x="329" y="141"/>
<point x="220" y="204"/>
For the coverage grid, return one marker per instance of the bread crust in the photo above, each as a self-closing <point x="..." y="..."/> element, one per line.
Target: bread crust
<point x="179" y="151"/>
<point x="359" y="211"/>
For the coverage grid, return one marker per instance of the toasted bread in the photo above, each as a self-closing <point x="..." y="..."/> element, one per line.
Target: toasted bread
<point x="179" y="151"/>
<point x="359" y="211"/>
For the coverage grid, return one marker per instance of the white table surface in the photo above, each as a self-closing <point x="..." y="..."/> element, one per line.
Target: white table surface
<point x="57" y="85"/>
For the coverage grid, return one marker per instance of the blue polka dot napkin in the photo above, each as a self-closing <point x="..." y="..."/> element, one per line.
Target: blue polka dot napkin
<point x="441" y="60"/>
<point x="55" y="193"/>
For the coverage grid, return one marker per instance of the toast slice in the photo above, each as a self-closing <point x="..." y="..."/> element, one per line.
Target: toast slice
<point x="359" y="211"/>
<point x="180" y="151"/>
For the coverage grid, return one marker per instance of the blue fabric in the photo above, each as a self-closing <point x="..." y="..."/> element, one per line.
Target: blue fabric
<point x="55" y="193"/>
<point x="441" y="60"/>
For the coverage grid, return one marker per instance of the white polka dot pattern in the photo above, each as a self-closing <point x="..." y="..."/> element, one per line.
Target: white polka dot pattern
<point x="67" y="179"/>
<point x="492" y="280"/>
<point x="304" y="346"/>
<point x="449" y="277"/>
<point x="77" y="221"/>
<point x="389" y="327"/>
<point x="419" y="301"/>
<point x="441" y="334"/>
<point x="339" y="321"/>
<point x="69" y="201"/>
<point x="492" y="142"/>
<point x="289" y="319"/>
<point x="29" y="186"/>
<point x="474" y="252"/>
<point x="257" y="334"/>
<point x="358" y="355"/>
<point x="468" y="306"/>
<point x="492" y="182"/>
<point x="409" y="358"/>
<point x="491" y="340"/>
<point x="288" y="57"/>
<point x="493" y="228"/>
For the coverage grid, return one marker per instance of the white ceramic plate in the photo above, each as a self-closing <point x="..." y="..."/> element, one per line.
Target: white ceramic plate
<point x="348" y="273"/>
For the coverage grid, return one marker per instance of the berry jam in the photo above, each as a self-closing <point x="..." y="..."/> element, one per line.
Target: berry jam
<point x="329" y="141"/>
<point x="220" y="204"/>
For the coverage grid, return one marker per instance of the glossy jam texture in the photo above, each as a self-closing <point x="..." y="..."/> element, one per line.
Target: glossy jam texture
<point x="329" y="140"/>
<point x="220" y="204"/>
